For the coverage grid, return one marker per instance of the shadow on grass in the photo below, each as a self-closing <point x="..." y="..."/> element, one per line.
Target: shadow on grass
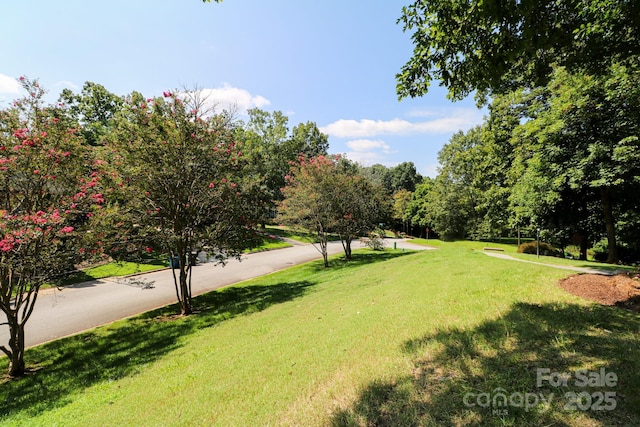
<point x="65" y="367"/>
<point x="360" y="258"/>
<point x="500" y="358"/>
<point x="114" y="268"/>
<point x="612" y="269"/>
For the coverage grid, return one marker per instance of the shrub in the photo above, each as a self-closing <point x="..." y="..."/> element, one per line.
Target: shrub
<point x="545" y="249"/>
<point x="626" y="254"/>
<point x="373" y="241"/>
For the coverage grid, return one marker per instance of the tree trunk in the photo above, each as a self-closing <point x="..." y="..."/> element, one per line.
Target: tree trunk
<point x="16" y="346"/>
<point x="584" y="245"/>
<point x="17" y="316"/>
<point x="323" y="249"/>
<point x="346" y="245"/>
<point x="185" y="303"/>
<point x="181" y="282"/>
<point x="347" y="249"/>
<point x="607" y="210"/>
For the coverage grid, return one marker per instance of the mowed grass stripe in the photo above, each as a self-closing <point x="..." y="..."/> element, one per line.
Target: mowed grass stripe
<point x="351" y="345"/>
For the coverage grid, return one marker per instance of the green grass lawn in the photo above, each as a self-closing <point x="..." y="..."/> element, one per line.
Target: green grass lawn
<point x="125" y="268"/>
<point x="467" y="244"/>
<point x="572" y="262"/>
<point x="299" y="235"/>
<point x="270" y="241"/>
<point x="113" y="269"/>
<point x="391" y="338"/>
<point x="511" y="250"/>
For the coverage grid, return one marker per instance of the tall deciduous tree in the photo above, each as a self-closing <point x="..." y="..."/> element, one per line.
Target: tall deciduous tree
<point x="187" y="181"/>
<point x="307" y="139"/>
<point x="326" y="195"/>
<point x="401" y="201"/>
<point x="272" y="148"/>
<point x="588" y="139"/>
<point x="359" y="206"/>
<point x="498" y="45"/>
<point x="378" y="175"/>
<point x="94" y="108"/>
<point x="309" y="199"/>
<point x="47" y="193"/>
<point x="418" y="206"/>
<point x="404" y="176"/>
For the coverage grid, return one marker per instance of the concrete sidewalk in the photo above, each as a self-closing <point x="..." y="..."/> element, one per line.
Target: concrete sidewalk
<point x="561" y="267"/>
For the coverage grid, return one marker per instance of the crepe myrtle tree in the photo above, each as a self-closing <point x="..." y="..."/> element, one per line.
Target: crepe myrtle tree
<point x="325" y="195"/>
<point x="48" y="191"/>
<point x="309" y="198"/>
<point x="184" y="181"/>
<point x="359" y="205"/>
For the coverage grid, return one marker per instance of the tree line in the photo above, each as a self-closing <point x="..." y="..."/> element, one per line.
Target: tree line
<point x="559" y="151"/>
<point x="96" y="176"/>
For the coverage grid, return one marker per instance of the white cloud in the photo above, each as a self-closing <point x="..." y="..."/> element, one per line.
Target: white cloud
<point x="368" y="152"/>
<point x="364" y="158"/>
<point x="457" y="120"/>
<point x="228" y="97"/>
<point x="430" y="170"/>
<point x="67" y="84"/>
<point x="364" y="128"/>
<point x="9" y="85"/>
<point x="363" y="145"/>
<point x="423" y="112"/>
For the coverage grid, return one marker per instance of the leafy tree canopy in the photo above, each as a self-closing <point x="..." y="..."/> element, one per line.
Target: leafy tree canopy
<point x="494" y="46"/>
<point x="49" y="190"/>
<point x="94" y="108"/>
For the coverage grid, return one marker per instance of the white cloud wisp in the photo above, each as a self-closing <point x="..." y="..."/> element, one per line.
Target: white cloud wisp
<point x="458" y="120"/>
<point x="9" y="85"/>
<point x="367" y="152"/>
<point x="235" y="99"/>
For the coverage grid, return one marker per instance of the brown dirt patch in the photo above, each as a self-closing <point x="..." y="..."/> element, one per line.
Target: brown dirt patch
<point x="620" y="290"/>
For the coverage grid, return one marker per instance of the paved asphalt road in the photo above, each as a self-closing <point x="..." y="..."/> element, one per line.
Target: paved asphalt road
<point x="59" y="313"/>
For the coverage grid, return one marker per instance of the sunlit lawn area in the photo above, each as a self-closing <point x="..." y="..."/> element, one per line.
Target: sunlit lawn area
<point x="299" y="235"/>
<point x="511" y="250"/>
<point x="270" y="241"/>
<point x="467" y="244"/>
<point x="572" y="262"/>
<point x="392" y="338"/>
<point x="125" y="268"/>
<point x="113" y="269"/>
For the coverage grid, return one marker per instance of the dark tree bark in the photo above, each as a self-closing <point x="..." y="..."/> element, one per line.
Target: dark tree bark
<point x="323" y="242"/>
<point x="15" y="352"/>
<point x="182" y="281"/>
<point x="607" y="210"/>
<point x="346" y="245"/>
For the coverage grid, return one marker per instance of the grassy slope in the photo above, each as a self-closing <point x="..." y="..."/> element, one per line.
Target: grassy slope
<point x="125" y="268"/>
<point x="298" y="235"/>
<point x="510" y="249"/>
<point x="387" y="343"/>
<point x="112" y="269"/>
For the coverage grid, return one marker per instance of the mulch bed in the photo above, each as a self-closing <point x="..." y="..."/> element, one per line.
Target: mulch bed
<point x="621" y="290"/>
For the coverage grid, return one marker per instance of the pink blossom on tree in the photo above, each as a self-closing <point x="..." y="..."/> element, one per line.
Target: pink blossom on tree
<point x="37" y="242"/>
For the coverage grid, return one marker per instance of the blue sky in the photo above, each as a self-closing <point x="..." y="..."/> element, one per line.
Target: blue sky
<point x="331" y="62"/>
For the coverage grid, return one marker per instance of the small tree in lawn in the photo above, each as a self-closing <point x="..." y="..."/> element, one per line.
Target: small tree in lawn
<point x="310" y="198"/>
<point x="46" y="192"/>
<point x="186" y="183"/>
<point x="359" y="205"/>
